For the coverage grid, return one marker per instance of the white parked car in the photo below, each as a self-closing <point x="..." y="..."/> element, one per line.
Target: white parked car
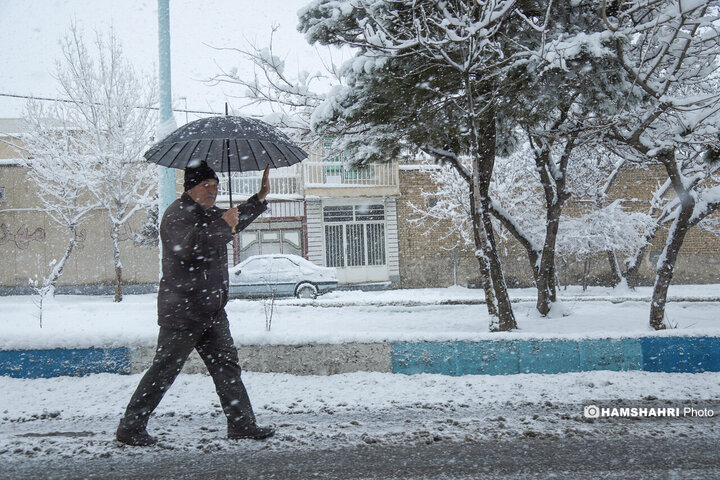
<point x="280" y="275"/>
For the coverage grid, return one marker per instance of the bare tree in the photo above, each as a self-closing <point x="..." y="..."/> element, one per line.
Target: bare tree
<point x="290" y="100"/>
<point x="109" y="106"/>
<point x="669" y="49"/>
<point x="59" y="170"/>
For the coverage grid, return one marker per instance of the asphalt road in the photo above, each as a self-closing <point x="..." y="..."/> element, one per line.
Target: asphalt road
<point x="527" y="458"/>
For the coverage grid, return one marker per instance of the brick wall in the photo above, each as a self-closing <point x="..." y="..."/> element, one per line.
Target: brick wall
<point x="427" y="261"/>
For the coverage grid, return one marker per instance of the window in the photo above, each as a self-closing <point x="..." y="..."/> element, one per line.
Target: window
<point x="334" y="246"/>
<point x="2" y="194"/>
<point x="355" y="241"/>
<point x="292" y="237"/>
<point x="369" y="212"/>
<point x="338" y="214"/>
<point x="354" y="235"/>
<point x="376" y="244"/>
<point x="247" y="238"/>
<point x="256" y="266"/>
<point x="353" y="213"/>
<point x="283" y="265"/>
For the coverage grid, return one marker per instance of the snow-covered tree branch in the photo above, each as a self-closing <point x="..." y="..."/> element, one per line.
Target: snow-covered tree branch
<point x="59" y="171"/>
<point x="98" y="137"/>
<point x="670" y="49"/>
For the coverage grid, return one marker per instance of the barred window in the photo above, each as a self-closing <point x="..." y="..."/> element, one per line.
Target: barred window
<point x="354" y="235"/>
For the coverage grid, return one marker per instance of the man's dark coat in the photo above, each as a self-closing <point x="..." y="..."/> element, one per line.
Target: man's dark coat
<point x="194" y="284"/>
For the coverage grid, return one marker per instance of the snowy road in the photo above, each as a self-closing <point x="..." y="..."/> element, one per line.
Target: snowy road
<point x="521" y="458"/>
<point x="368" y="425"/>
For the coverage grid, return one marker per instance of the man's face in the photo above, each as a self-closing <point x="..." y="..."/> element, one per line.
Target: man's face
<point x="205" y="192"/>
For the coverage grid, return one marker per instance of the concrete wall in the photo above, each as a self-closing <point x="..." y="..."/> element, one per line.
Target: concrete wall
<point x="30" y="241"/>
<point x="490" y="357"/>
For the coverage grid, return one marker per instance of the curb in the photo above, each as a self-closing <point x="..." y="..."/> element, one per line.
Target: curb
<point x="330" y="303"/>
<point x="64" y="362"/>
<point x="506" y="357"/>
<point x="489" y="357"/>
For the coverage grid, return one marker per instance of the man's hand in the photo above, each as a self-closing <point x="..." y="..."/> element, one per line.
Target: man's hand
<point x="264" y="185"/>
<point x="231" y="217"/>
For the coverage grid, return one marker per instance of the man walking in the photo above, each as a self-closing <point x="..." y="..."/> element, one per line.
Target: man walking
<point x="191" y="306"/>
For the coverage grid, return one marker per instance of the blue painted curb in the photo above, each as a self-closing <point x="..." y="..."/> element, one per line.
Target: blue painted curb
<point x="681" y="355"/>
<point x="490" y="357"/>
<point x="62" y="362"/>
<point x="503" y="357"/>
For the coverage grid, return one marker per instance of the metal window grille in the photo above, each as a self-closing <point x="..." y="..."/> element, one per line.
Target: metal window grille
<point x="2" y="194"/>
<point x="343" y="213"/>
<point x="354" y="235"/>
<point x="355" y="238"/>
<point x="376" y="243"/>
<point x="369" y="212"/>
<point x="334" y="246"/>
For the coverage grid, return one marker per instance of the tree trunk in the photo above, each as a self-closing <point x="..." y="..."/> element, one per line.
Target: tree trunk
<point x="547" y="294"/>
<point x="633" y="271"/>
<point x="118" y="264"/>
<point x="485" y="274"/>
<point x="57" y="270"/>
<point x="482" y="151"/>
<point x="505" y="313"/>
<point x="552" y="178"/>
<point x="485" y="238"/>
<point x="675" y="238"/>
<point x="615" y="271"/>
<point x="666" y="266"/>
<point x="586" y="274"/>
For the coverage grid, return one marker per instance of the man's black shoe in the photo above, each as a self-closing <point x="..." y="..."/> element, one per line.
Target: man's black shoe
<point x="135" y="438"/>
<point x="252" y="431"/>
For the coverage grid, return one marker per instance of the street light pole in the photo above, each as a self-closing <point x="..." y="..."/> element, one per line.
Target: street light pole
<point x="166" y="122"/>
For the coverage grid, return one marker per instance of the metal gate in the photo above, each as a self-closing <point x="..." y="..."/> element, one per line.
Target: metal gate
<point x="355" y="242"/>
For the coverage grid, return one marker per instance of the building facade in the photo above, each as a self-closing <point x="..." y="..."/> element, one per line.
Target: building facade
<point x="357" y="220"/>
<point x="332" y="214"/>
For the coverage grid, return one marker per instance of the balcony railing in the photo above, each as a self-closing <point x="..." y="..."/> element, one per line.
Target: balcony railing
<point x="292" y="180"/>
<point x="328" y="174"/>
<point x="285" y="181"/>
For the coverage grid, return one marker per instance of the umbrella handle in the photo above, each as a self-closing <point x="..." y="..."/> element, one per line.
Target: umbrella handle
<point x="227" y="151"/>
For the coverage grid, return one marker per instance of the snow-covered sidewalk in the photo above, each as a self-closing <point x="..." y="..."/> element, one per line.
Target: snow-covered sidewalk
<point x="355" y="316"/>
<point x="76" y="417"/>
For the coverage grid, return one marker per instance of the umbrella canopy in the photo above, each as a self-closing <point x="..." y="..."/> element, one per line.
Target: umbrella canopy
<point x="226" y="144"/>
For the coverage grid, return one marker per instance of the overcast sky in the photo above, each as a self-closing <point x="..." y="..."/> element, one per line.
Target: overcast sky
<point x="30" y="32"/>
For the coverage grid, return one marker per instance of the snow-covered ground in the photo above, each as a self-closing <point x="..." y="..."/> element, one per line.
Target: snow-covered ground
<point x="344" y="316"/>
<point x="75" y="417"/>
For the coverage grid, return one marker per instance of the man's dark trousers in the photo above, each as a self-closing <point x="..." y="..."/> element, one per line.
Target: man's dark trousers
<point x="215" y="345"/>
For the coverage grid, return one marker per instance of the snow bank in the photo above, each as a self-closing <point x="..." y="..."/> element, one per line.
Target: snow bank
<point x="353" y="316"/>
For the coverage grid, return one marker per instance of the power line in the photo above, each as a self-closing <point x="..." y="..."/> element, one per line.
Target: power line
<point x="62" y="100"/>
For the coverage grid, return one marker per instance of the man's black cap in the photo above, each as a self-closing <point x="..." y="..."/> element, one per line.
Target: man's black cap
<point x="195" y="176"/>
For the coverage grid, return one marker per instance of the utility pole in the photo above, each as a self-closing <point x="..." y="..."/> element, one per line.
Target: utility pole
<point x="166" y="123"/>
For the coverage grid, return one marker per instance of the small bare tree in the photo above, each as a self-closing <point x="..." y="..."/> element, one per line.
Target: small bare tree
<point x="109" y="106"/>
<point x="59" y="171"/>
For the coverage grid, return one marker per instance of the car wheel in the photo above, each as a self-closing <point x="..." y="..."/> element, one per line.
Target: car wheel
<point x="306" y="290"/>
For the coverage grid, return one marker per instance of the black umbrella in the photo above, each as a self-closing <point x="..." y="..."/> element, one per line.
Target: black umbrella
<point x="226" y="144"/>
